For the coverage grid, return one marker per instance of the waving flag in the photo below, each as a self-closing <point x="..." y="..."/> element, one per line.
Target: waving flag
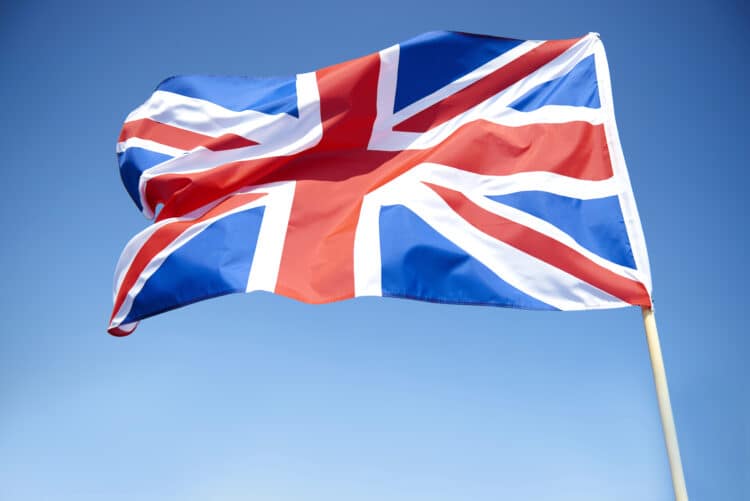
<point x="452" y="168"/>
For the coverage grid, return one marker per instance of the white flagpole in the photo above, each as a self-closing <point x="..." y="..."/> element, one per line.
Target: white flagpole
<point x="665" y="407"/>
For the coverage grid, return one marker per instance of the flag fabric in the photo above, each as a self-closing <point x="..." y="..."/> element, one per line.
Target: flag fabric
<point x="452" y="168"/>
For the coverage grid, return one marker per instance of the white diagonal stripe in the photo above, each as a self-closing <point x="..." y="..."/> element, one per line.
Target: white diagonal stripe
<point x="205" y="117"/>
<point x="466" y="80"/>
<point x="477" y="188"/>
<point x="496" y="108"/>
<point x="306" y="133"/>
<point x="146" y="144"/>
<point x="522" y="271"/>
<point x="274" y="191"/>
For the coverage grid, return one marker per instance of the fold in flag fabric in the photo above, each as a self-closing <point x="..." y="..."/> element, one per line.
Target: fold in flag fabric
<point x="453" y="168"/>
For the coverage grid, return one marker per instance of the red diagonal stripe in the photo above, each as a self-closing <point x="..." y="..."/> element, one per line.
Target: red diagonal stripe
<point x="177" y="137"/>
<point x="229" y="142"/>
<point x="545" y="248"/>
<point x="165" y="235"/>
<point x="163" y="134"/>
<point x="486" y="87"/>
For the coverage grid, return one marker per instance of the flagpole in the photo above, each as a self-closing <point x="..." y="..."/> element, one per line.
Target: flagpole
<point x="665" y="407"/>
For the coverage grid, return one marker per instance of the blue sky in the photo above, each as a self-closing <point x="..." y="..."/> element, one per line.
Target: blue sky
<point x="261" y="397"/>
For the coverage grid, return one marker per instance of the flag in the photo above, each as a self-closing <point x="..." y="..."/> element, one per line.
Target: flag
<point x="453" y="168"/>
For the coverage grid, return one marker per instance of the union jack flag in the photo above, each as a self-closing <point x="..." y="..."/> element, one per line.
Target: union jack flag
<point x="453" y="167"/>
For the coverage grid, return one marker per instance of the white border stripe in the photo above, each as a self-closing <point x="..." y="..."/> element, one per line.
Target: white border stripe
<point x="627" y="199"/>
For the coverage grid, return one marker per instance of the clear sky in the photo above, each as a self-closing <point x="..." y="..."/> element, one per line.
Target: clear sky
<point x="255" y="396"/>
